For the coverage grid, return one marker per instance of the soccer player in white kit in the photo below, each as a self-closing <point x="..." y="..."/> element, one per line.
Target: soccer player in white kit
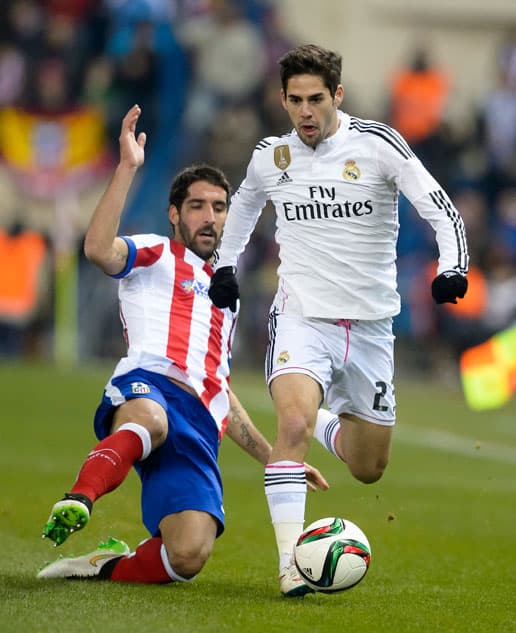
<point x="334" y="181"/>
<point x="168" y="402"/>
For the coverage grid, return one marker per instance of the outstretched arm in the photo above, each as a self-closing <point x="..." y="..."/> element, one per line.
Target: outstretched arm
<point x="101" y="245"/>
<point x="244" y="433"/>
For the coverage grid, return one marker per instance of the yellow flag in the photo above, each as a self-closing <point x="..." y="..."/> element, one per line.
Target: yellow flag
<point x="488" y="371"/>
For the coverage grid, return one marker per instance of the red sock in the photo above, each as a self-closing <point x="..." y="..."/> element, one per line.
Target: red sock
<point x="108" y="463"/>
<point x="145" y="565"/>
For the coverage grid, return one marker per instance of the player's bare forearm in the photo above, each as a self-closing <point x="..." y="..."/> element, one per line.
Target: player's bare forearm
<point x="101" y="245"/>
<point x="244" y="433"/>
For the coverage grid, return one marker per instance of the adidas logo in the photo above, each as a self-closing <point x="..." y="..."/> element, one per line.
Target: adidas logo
<point x="285" y="179"/>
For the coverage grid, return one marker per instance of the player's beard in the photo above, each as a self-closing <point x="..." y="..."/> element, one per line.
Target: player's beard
<point x="323" y="127"/>
<point x="311" y="141"/>
<point x="191" y="240"/>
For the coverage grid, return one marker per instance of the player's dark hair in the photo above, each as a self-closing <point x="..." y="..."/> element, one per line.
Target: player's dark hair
<point x="189" y="175"/>
<point x="310" y="59"/>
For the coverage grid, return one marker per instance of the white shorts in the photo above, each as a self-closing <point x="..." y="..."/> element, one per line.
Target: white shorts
<point x="352" y="361"/>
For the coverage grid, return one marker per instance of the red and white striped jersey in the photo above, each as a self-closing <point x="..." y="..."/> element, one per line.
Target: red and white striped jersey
<point x="170" y="324"/>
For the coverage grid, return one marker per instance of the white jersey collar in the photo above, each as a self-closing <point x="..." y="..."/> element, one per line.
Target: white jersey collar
<point x="341" y="132"/>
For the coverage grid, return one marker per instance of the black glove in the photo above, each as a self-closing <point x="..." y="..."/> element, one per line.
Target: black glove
<point x="223" y="289"/>
<point x="449" y="285"/>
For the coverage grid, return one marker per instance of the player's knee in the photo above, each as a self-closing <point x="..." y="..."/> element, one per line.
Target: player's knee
<point x="146" y="413"/>
<point x="188" y="559"/>
<point x="294" y="430"/>
<point x="158" y="431"/>
<point x="368" y="473"/>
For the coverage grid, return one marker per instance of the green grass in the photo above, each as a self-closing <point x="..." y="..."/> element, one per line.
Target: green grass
<point x="441" y="523"/>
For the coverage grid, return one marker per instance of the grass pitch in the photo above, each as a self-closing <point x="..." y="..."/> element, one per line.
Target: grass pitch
<point x="441" y="523"/>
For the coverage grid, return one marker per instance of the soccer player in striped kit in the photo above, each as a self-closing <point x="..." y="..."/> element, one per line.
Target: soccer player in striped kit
<point x="334" y="181"/>
<point x="168" y="402"/>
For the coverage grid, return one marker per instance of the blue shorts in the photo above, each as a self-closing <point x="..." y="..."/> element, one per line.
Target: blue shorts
<point x="183" y="473"/>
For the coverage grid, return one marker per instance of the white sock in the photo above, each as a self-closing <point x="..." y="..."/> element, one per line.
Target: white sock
<point x="285" y="489"/>
<point x="142" y="433"/>
<point x="327" y="427"/>
<point x="166" y="564"/>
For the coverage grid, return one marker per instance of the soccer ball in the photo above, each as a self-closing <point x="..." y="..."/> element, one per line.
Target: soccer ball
<point x="332" y="555"/>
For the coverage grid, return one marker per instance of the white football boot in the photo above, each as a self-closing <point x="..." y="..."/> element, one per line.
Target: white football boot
<point x="86" y="566"/>
<point x="291" y="583"/>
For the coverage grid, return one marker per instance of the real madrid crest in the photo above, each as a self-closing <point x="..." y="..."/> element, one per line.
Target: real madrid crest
<point x="282" y="156"/>
<point x="283" y="357"/>
<point x="351" y="171"/>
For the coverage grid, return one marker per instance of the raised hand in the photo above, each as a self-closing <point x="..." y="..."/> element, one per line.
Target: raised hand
<point x="132" y="147"/>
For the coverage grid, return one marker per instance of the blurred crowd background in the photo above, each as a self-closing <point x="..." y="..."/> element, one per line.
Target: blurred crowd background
<point x="205" y="73"/>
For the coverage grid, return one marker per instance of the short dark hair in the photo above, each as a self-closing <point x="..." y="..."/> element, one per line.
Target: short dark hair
<point x="195" y="173"/>
<point x="310" y="59"/>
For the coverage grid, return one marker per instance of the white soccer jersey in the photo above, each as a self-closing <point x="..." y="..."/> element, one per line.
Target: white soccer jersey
<point x="337" y="218"/>
<point x="170" y="324"/>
